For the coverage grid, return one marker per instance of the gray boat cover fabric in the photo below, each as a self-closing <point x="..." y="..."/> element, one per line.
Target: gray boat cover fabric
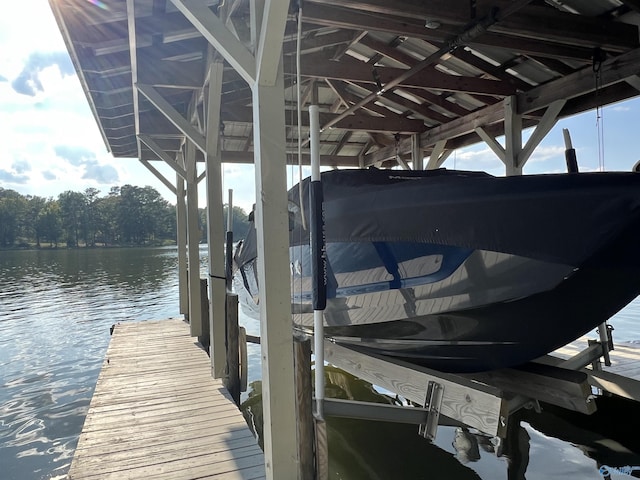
<point x="563" y="218"/>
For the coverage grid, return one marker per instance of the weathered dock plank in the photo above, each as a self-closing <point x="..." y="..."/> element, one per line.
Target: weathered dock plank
<point x="157" y="413"/>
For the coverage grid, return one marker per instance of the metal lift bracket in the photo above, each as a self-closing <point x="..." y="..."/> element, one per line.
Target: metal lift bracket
<point x="432" y="405"/>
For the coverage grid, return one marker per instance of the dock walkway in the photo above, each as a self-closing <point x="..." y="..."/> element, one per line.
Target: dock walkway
<point x="157" y="413"/>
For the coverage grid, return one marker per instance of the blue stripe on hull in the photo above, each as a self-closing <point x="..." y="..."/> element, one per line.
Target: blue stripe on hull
<point x="352" y="258"/>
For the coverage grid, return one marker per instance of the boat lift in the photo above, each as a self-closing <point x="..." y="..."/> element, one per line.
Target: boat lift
<point x="483" y="401"/>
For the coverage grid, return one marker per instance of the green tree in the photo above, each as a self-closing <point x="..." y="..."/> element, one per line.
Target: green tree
<point x="89" y="223"/>
<point x="50" y="222"/>
<point x="13" y="207"/>
<point x="106" y="218"/>
<point x="72" y="207"/>
<point x="240" y="222"/>
<point x="35" y="205"/>
<point x="143" y="215"/>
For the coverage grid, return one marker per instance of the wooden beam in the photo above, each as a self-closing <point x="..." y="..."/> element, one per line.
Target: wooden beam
<point x="216" y="33"/>
<point x="547" y="122"/>
<point x="467" y="124"/>
<point x="355" y="122"/>
<point x="337" y="17"/>
<point x="193" y="241"/>
<point x="476" y="405"/>
<point x="278" y="389"/>
<point x="349" y="98"/>
<point x="452" y="12"/>
<point x="155" y="148"/>
<point x="436" y="158"/>
<point x="348" y="69"/>
<point x="612" y="70"/>
<point x="215" y="235"/>
<point x="181" y="240"/>
<point x="396" y="20"/>
<point x="552" y="25"/>
<point x="554" y="385"/>
<point x="269" y="47"/>
<point x="388" y="51"/>
<point x="492" y="143"/>
<point x="131" y="30"/>
<point x="318" y="42"/>
<point x="513" y="137"/>
<point x="159" y="176"/>
<point x="534" y="47"/>
<point x="437" y="100"/>
<point x="496" y="71"/>
<point x="173" y="115"/>
<point x="417" y="155"/>
<point x="413" y="107"/>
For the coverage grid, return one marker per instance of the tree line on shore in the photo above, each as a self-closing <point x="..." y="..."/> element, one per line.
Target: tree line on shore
<point x="126" y="215"/>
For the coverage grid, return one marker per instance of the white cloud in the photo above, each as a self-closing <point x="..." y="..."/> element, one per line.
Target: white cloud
<point x="549" y="153"/>
<point x="620" y="108"/>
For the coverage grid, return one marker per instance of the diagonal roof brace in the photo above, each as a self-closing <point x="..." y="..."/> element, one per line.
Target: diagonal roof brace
<point x="465" y="37"/>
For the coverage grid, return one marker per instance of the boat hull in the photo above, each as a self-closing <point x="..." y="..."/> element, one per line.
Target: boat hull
<point x="459" y="306"/>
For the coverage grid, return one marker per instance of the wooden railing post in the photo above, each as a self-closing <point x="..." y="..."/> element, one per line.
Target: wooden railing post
<point x="302" y="360"/>
<point x="204" y="338"/>
<point x="232" y="380"/>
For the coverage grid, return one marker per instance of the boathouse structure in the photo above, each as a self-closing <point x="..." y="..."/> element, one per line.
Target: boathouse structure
<point x="195" y="84"/>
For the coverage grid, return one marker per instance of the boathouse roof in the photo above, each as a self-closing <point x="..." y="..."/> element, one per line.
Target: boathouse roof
<point x="386" y="73"/>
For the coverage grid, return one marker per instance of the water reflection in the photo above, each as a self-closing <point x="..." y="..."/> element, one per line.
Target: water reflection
<point x="552" y="444"/>
<point x="56" y="307"/>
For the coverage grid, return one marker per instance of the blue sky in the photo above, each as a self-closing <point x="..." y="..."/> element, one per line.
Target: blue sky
<point x="51" y="142"/>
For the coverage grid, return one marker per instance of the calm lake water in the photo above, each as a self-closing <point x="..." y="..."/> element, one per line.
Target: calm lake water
<point x="56" y="308"/>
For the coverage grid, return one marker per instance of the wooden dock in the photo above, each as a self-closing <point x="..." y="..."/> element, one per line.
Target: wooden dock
<point x="157" y="413"/>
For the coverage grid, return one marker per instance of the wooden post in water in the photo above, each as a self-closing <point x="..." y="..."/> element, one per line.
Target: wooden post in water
<point x="232" y="380"/>
<point x="304" y="405"/>
<point x="204" y="338"/>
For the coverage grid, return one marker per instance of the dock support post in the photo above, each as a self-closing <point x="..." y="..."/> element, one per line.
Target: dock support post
<point x="272" y="227"/>
<point x="232" y="381"/>
<point x="215" y="236"/>
<point x="193" y="239"/>
<point x="513" y="136"/>
<point x="181" y="234"/>
<point x="302" y="358"/>
<point x="204" y="338"/>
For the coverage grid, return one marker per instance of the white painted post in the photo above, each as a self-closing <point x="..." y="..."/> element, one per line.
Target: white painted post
<point x="181" y="240"/>
<point x="272" y="226"/>
<point x="513" y="136"/>
<point x="193" y="241"/>
<point x="215" y="216"/>
<point x="417" y="156"/>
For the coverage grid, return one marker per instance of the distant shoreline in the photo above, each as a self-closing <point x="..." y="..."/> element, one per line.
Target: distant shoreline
<point x="47" y="246"/>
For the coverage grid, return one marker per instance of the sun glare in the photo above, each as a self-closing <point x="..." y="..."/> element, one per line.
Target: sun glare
<point x="99" y="4"/>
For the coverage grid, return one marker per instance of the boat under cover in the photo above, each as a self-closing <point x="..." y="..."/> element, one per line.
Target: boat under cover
<point x="463" y="271"/>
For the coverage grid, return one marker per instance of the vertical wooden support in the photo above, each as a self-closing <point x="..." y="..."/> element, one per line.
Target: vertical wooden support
<point x="302" y="358"/>
<point x="215" y="219"/>
<point x="272" y="225"/>
<point x="417" y="156"/>
<point x="232" y="380"/>
<point x="181" y="232"/>
<point x="193" y="240"/>
<point x="513" y="136"/>
<point x="322" y="450"/>
<point x="204" y="338"/>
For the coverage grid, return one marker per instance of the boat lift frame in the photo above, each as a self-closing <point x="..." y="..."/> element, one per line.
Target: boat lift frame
<point x="482" y="401"/>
